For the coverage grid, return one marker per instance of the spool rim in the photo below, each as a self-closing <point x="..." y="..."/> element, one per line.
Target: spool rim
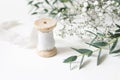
<point x="45" y="24"/>
<point x="47" y="53"/>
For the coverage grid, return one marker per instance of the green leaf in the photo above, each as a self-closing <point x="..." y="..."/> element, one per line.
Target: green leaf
<point x="99" y="44"/>
<point x="117" y="25"/>
<point x="63" y="1"/>
<point x="47" y="1"/>
<point x="46" y="10"/>
<point x="39" y="3"/>
<point x="116" y="51"/>
<point x="98" y="58"/>
<point x="34" y="13"/>
<point x="70" y="59"/>
<point x="84" y="51"/>
<point x="118" y="30"/>
<point x="30" y="2"/>
<point x="36" y="5"/>
<point x="116" y="35"/>
<point x="114" y="45"/>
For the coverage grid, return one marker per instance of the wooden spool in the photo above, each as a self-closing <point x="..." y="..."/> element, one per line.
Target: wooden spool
<point x="46" y="25"/>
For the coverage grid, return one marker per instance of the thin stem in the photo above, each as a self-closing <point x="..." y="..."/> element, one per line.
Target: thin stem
<point x="81" y="61"/>
<point x="98" y="58"/>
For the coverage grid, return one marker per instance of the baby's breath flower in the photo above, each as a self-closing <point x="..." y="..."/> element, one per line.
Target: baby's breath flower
<point x="85" y="4"/>
<point x="96" y="3"/>
<point x="84" y="9"/>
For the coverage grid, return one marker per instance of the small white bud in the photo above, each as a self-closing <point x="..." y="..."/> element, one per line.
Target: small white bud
<point x="96" y="3"/>
<point x="108" y="2"/>
<point x="84" y="9"/>
<point x="100" y="14"/>
<point x="85" y="4"/>
<point x="113" y="2"/>
<point x="117" y="4"/>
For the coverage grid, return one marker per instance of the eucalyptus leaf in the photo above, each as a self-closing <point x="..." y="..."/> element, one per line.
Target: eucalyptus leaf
<point x="84" y="51"/>
<point x="117" y="25"/>
<point x="118" y="30"/>
<point x="46" y="10"/>
<point x="99" y="44"/>
<point x="114" y="45"/>
<point x="36" y="5"/>
<point x="47" y="1"/>
<point x="34" y="13"/>
<point x="64" y="1"/>
<point x="116" y="35"/>
<point x="70" y="59"/>
<point x="39" y="3"/>
<point x="30" y="2"/>
<point x="116" y="51"/>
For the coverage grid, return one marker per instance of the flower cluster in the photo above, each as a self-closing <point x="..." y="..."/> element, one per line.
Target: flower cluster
<point x="77" y="16"/>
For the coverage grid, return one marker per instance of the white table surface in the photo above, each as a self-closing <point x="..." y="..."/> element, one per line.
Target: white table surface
<point x="17" y="63"/>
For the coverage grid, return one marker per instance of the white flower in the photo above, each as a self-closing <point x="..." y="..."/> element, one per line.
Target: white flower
<point x="96" y="3"/>
<point x="113" y="2"/>
<point x="108" y="2"/>
<point x="85" y="4"/>
<point x="84" y="9"/>
<point x="100" y="14"/>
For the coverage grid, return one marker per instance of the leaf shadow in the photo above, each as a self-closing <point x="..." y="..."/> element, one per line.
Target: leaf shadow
<point x="85" y="63"/>
<point x="118" y="55"/>
<point x="74" y="65"/>
<point x="103" y="58"/>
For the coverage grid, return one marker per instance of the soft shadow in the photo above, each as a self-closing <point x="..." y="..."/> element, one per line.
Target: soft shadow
<point x="9" y="24"/>
<point x="63" y="50"/>
<point x="103" y="57"/>
<point x="74" y="65"/>
<point x="118" y="55"/>
<point x="85" y="63"/>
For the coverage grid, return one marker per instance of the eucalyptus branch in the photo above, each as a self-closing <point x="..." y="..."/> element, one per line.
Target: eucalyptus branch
<point x="100" y="45"/>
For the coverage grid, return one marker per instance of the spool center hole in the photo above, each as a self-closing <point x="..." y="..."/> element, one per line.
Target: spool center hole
<point x="45" y="22"/>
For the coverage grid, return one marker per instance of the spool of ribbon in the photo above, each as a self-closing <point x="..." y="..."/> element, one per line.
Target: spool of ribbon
<point x="46" y="43"/>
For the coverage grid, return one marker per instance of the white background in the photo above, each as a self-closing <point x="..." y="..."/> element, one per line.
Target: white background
<point x="17" y="63"/>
